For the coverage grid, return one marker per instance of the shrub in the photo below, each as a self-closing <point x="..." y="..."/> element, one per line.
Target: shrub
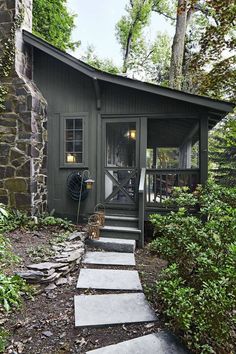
<point x="198" y="288"/>
<point x="11" y="289"/>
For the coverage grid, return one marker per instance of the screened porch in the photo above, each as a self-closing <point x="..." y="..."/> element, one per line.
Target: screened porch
<point x="172" y="157"/>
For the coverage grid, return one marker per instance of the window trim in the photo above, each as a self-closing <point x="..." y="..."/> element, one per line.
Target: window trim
<point x="63" y="118"/>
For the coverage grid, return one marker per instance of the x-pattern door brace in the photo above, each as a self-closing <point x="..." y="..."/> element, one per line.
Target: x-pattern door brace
<point x="120" y="186"/>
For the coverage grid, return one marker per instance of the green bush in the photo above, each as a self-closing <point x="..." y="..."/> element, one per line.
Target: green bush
<point x="11" y="290"/>
<point x="13" y="219"/>
<point x="198" y="288"/>
<point x="3" y="340"/>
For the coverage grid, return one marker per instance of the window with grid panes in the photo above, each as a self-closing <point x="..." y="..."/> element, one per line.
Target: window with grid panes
<point x="74" y="136"/>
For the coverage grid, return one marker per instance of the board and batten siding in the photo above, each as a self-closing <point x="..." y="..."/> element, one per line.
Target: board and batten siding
<point x="68" y="91"/>
<point x="124" y="100"/>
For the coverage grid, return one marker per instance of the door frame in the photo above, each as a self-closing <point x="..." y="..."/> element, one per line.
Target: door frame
<point x="120" y="119"/>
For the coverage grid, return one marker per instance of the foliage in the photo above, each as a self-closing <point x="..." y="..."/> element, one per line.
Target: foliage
<point x="198" y="288"/>
<point x="203" y="45"/>
<point x="6" y="255"/>
<point x="211" y="41"/>
<point x="3" y="340"/>
<point x="17" y="219"/>
<point x="223" y="152"/>
<point x="150" y="61"/>
<point x="7" y="57"/>
<point x="43" y="252"/>
<point x="53" y="23"/>
<point x="167" y="8"/>
<point x="11" y="289"/>
<point x="3" y="212"/>
<point x="129" y="28"/>
<point x="105" y="65"/>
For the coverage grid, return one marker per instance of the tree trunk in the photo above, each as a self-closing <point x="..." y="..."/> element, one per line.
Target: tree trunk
<point x="127" y="52"/>
<point x="176" y="64"/>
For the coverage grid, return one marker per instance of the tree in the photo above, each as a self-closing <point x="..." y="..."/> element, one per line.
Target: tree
<point x="213" y="65"/>
<point x="102" y="64"/>
<point x="150" y="61"/>
<point x="223" y="152"/>
<point x="177" y="56"/>
<point x="129" y="28"/>
<point x="53" y="23"/>
<point x="202" y="59"/>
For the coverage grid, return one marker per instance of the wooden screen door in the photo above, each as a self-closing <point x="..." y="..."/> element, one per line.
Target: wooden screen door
<point x="121" y="161"/>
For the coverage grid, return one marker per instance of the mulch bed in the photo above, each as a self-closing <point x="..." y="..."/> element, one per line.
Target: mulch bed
<point x="45" y="325"/>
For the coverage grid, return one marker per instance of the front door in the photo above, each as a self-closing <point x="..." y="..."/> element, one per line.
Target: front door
<point x="120" y="162"/>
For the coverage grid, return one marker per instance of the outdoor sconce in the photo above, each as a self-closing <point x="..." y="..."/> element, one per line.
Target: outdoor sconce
<point x="70" y="158"/>
<point x="89" y="183"/>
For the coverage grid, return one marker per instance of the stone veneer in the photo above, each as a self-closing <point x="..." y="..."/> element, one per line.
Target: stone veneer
<point x="23" y="131"/>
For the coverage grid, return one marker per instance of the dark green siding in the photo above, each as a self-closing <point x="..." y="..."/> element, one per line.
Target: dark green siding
<point x="69" y="91"/>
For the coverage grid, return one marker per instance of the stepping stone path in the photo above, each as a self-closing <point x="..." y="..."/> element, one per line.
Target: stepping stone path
<point x="113" y="244"/>
<point x="109" y="279"/>
<point x="156" y="343"/>
<point x="118" y="308"/>
<point x="109" y="258"/>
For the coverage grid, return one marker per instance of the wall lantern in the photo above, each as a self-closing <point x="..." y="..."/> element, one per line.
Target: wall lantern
<point x="89" y="183"/>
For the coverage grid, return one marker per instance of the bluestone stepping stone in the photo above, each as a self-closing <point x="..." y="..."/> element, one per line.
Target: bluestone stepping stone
<point x="109" y="279"/>
<point x="109" y="258"/>
<point x="156" y="343"/>
<point x="113" y="244"/>
<point x="111" y="309"/>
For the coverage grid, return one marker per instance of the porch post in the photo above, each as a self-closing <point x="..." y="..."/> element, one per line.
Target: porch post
<point x="99" y="158"/>
<point x="142" y="189"/>
<point x="143" y="142"/>
<point x="203" y="149"/>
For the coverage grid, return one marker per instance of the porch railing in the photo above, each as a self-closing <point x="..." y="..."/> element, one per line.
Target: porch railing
<point x="160" y="183"/>
<point x="141" y="203"/>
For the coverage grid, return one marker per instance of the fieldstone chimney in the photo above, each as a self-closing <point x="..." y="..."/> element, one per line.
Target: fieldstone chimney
<point x="23" y="132"/>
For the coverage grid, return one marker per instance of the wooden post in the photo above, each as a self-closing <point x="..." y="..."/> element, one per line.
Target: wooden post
<point x="143" y="141"/>
<point x="142" y="189"/>
<point x="203" y="149"/>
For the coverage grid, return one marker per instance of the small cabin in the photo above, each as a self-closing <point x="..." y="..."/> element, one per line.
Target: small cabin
<point x="136" y="139"/>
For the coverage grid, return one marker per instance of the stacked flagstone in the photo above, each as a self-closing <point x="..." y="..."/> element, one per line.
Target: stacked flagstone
<point x="67" y="256"/>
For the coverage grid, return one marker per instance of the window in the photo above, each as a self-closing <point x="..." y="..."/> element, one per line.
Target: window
<point x="73" y="141"/>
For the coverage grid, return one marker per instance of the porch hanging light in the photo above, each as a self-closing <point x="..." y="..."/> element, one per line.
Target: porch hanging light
<point x="132" y="134"/>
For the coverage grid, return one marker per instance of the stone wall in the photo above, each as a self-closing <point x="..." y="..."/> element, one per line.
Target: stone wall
<point x="23" y="131"/>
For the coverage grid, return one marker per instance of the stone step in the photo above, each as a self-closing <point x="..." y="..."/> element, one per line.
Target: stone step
<point x="119" y="211"/>
<point x="109" y="258"/>
<point x="109" y="279"/>
<point x="130" y="233"/>
<point x="123" y="221"/>
<point x="112" y="309"/>
<point x="155" y="343"/>
<point x="113" y="244"/>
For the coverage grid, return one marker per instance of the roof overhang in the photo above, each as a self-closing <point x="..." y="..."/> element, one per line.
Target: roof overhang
<point x="217" y="108"/>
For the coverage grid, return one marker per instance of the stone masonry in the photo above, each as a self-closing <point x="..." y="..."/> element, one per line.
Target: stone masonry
<point x="23" y="131"/>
